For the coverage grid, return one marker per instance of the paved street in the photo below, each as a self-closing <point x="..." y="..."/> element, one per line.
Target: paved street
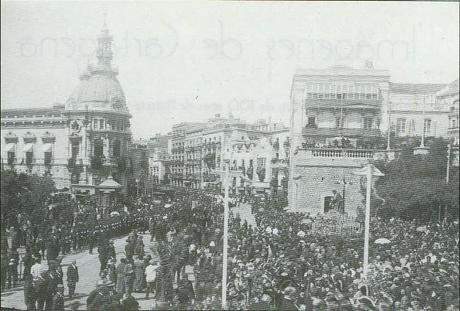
<point x="88" y="268"/>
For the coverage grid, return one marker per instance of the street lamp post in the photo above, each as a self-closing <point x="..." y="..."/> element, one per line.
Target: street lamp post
<point x="368" y="171"/>
<point x="225" y="244"/>
<point x="449" y="150"/>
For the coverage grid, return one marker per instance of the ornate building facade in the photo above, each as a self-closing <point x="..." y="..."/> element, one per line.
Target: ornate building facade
<point x="337" y="120"/>
<point x="82" y="143"/>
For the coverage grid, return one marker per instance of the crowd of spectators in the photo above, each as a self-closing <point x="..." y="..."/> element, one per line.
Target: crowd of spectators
<point x="280" y="263"/>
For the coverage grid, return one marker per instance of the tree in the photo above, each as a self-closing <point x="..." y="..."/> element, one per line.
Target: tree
<point x="24" y="194"/>
<point x="414" y="186"/>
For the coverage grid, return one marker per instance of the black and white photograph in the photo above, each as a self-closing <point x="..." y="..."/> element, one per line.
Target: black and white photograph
<point x="230" y="155"/>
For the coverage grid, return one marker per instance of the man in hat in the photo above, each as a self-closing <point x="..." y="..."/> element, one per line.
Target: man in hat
<point x="58" y="298"/>
<point x="287" y="302"/>
<point x="72" y="278"/>
<point x="111" y="253"/>
<point x="185" y="291"/>
<point x="53" y="249"/>
<point x="41" y="289"/>
<point x="129" y="303"/>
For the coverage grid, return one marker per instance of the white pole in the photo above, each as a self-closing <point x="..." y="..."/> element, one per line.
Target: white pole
<point x="225" y="246"/>
<point x="389" y="126"/>
<point x="423" y="117"/>
<point x="448" y="162"/>
<point x="367" y="220"/>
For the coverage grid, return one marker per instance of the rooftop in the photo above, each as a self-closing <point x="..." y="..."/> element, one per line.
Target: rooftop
<point x="415" y="88"/>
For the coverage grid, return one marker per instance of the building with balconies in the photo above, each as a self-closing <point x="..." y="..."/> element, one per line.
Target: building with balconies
<point x="337" y="121"/>
<point x="79" y="144"/>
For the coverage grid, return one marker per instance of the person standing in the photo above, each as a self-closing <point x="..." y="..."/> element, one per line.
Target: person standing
<point x="185" y="292"/>
<point x="129" y="249"/>
<point x="52" y="282"/>
<point x="72" y="278"/>
<point x="129" y="277"/>
<point x="150" y="276"/>
<point x="103" y="256"/>
<point x="53" y="249"/>
<point x="111" y="253"/>
<point x="29" y="292"/>
<point x="120" y="285"/>
<point x="3" y="269"/>
<point x="139" y="273"/>
<point x="12" y="273"/>
<point x="28" y="261"/>
<point x="41" y="289"/>
<point x="92" y="240"/>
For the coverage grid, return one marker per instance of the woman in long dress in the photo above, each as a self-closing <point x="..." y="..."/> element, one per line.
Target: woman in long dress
<point x="121" y="276"/>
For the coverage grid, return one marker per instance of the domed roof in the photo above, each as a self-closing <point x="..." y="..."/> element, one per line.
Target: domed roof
<point x="99" y="88"/>
<point x="98" y="91"/>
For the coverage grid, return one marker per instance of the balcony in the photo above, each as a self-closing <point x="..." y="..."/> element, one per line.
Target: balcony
<point x="345" y="154"/>
<point x="337" y="132"/>
<point x="344" y="103"/>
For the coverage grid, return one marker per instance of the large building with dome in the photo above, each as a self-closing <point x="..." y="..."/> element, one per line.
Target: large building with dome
<point x="82" y="144"/>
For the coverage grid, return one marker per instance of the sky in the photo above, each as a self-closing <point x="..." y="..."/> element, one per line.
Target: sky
<point x="186" y="61"/>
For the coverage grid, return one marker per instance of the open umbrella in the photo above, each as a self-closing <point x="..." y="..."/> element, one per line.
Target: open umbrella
<point x="382" y="241"/>
<point x="114" y="214"/>
<point x="422" y="229"/>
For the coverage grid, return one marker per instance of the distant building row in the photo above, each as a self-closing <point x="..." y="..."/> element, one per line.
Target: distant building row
<point x="194" y="154"/>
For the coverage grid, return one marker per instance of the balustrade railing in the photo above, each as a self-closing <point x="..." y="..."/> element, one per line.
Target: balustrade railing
<point x="340" y="153"/>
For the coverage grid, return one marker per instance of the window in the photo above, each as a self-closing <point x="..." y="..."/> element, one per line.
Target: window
<point x="48" y="158"/>
<point x="401" y="126"/>
<point x="101" y="124"/>
<point x="427" y="126"/>
<point x="454" y="123"/>
<point x="412" y="127"/>
<point x="75" y="149"/>
<point x="29" y="157"/>
<point x="11" y="157"/>
<point x="116" y="148"/>
<point x="368" y="123"/>
<point x="98" y="148"/>
<point x="311" y="122"/>
<point x="339" y="122"/>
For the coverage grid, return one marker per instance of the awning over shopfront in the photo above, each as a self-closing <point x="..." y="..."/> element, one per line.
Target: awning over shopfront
<point x="10" y="147"/>
<point x="47" y="147"/>
<point x="29" y="147"/>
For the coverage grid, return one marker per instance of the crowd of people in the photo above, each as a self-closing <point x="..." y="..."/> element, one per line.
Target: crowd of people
<point x="281" y="263"/>
<point x="278" y="263"/>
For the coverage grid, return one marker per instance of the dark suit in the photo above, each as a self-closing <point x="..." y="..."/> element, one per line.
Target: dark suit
<point x="72" y="279"/>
